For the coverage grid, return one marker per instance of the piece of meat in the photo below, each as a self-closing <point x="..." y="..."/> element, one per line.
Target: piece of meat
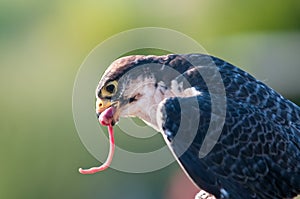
<point x="105" y="119"/>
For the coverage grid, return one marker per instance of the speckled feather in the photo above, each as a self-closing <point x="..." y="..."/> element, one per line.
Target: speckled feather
<point x="258" y="152"/>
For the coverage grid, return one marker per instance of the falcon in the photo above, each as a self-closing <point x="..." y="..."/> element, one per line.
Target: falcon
<point x="234" y="136"/>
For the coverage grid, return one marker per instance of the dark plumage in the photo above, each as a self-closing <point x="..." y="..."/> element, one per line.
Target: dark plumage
<point x="258" y="152"/>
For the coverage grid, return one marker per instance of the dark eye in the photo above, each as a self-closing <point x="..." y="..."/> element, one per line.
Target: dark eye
<point x="110" y="88"/>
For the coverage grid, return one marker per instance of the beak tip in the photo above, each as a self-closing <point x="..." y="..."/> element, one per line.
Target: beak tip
<point x="98" y="114"/>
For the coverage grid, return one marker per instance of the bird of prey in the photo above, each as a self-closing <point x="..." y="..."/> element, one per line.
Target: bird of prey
<point x="234" y="137"/>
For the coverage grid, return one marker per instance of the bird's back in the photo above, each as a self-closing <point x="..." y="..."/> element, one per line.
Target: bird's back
<point x="258" y="152"/>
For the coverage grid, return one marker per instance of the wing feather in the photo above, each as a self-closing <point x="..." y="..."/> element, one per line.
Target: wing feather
<point x="254" y="157"/>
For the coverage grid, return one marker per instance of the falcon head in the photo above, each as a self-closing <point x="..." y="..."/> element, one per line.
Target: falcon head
<point x="129" y="88"/>
<point x="134" y="86"/>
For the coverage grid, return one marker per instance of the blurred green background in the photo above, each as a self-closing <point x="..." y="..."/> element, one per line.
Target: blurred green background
<point x="42" y="45"/>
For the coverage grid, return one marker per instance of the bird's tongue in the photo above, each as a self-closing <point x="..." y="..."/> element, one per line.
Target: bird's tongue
<point x="105" y="119"/>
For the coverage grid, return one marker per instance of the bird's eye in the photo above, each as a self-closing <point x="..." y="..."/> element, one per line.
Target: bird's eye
<point x="110" y="89"/>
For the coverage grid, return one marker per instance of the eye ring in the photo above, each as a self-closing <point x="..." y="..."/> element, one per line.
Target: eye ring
<point x="110" y="88"/>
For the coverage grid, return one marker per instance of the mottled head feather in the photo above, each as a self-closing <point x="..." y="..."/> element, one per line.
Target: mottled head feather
<point x="123" y="64"/>
<point x="120" y="66"/>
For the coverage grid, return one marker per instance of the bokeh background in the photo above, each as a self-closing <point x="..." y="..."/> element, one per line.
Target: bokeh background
<point x="42" y="45"/>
